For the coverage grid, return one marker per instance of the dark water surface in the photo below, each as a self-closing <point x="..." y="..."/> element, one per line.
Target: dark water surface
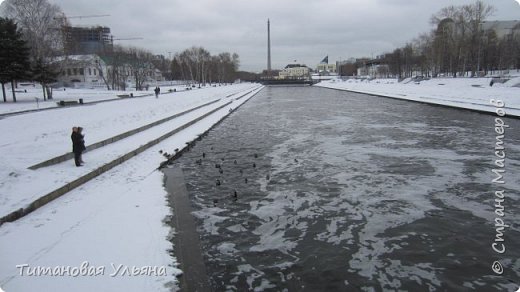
<point x="337" y="191"/>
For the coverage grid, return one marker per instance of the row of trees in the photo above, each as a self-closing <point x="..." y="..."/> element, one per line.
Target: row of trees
<point x="124" y="62"/>
<point x="460" y="44"/>
<point x="197" y="64"/>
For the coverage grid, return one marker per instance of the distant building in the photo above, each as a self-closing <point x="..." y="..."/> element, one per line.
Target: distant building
<point x="374" y="69"/>
<point x="325" y="68"/>
<point x="86" y="40"/>
<point x="82" y="71"/>
<point x="503" y="28"/>
<point x="158" y="75"/>
<point x="294" y="71"/>
<point x="93" y="71"/>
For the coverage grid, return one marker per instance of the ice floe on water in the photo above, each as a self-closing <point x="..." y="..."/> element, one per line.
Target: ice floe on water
<point x="210" y="218"/>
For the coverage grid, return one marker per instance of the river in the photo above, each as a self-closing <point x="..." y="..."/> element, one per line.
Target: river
<point x="311" y="189"/>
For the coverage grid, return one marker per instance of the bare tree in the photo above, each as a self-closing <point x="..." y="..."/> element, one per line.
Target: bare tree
<point x="202" y="59"/>
<point x="188" y="64"/>
<point x="227" y="66"/>
<point x="140" y="62"/>
<point x="476" y="14"/>
<point x="197" y="64"/>
<point x="457" y="45"/>
<point x="425" y="59"/>
<point x="40" y="23"/>
<point x="224" y="59"/>
<point x="117" y="71"/>
<point x="460" y="38"/>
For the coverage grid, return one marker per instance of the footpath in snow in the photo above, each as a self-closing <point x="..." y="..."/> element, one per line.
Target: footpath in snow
<point x="468" y="93"/>
<point x="112" y="224"/>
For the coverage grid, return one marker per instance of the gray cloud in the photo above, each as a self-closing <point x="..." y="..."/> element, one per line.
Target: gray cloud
<point x="305" y="31"/>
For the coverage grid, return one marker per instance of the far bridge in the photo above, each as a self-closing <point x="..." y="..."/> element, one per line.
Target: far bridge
<point x="287" y="82"/>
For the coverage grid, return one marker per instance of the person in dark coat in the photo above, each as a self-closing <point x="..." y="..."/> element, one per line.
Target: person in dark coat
<point x="76" y="146"/>
<point x="81" y="144"/>
<point x="157" y="91"/>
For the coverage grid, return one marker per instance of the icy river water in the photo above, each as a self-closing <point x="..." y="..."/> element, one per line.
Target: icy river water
<point x="310" y="189"/>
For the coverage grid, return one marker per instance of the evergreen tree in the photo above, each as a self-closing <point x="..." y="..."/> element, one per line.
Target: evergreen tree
<point x="176" y="69"/>
<point x="14" y="55"/>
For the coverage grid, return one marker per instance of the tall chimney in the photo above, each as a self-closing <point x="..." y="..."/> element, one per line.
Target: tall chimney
<point x="268" y="49"/>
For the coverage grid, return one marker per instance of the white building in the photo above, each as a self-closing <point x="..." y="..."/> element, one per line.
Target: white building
<point x="295" y="71"/>
<point x="324" y="68"/>
<point x="82" y="71"/>
<point x="374" y="69"/>
<point x="158" y="76"/>
<point x="92" y="71"/>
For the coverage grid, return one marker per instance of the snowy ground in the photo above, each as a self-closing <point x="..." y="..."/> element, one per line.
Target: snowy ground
<point x="115" y="219"/>
<point x="30" y="97"/>
<point x="470" y="93"/>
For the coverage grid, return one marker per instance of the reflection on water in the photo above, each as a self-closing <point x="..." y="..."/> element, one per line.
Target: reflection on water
<point x="307" y="189"/>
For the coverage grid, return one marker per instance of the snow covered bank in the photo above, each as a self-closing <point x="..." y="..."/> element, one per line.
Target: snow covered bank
<point x="114" y="221"/>
<point x="468" y="93"/>
<point x="30" y="98"/>
<point x="39" y="136"/>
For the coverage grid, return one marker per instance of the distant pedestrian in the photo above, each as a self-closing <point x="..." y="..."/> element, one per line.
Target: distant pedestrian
<point x="157" y="91"/>
<point x="76" y="146"/>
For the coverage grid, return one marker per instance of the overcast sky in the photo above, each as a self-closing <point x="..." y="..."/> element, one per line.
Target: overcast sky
<point x="302" y="30"/>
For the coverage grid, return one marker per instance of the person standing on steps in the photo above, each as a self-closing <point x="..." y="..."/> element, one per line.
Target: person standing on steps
<point x="76" y="146"/>
<point x="81" y="144"/>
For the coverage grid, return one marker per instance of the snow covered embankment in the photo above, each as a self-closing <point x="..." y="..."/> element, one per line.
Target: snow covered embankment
<point x="466" y="93"/>
<point x="112" y="221"/>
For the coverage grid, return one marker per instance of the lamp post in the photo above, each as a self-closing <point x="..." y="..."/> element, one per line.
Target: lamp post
<point x="479" y="37"/>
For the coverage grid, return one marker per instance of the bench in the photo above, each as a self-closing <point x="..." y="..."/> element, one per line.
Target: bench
<point x="70" y="102"/>
<point x="67" y="102"/>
